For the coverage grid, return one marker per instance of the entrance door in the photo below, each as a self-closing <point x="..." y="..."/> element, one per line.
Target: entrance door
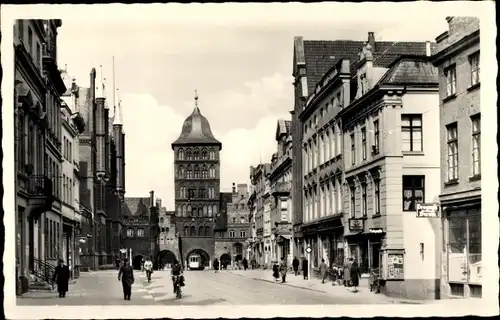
<point x="31" y="244"/>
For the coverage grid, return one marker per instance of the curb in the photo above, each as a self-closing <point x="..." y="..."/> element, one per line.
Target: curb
<point x="286" y="284"/>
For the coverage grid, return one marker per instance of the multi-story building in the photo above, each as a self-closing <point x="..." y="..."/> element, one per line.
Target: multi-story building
<point x="392" y="172"/>
<point x="168" y="244"/>
<point x="457" y="58"/>
<point x="231" y="245"/>
<point x="252" y="226"/>
<point x="258" y="179"/>
<point x="72" y="126"/>
<point x="267" y="234"/>
<point x="280" y="179"/>
<point x="37" y="88"/>
<point x="140" y="222"/>
<point x="197" y="181"/>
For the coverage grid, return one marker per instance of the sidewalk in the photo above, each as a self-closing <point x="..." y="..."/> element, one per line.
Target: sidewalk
<point x="315" y="284"/>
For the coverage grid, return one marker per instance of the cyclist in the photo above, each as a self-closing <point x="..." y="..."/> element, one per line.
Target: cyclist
<point x="176" y="274"/>
<point x="148" y="266"/>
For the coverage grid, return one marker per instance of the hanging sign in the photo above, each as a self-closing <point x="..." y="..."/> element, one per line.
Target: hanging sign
<point x="356" y="225"/>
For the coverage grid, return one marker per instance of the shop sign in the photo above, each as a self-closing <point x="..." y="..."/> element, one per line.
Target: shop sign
<point x="427" y="210"/>
<point x="376" y="230"/>
<point x="356" y="225"/>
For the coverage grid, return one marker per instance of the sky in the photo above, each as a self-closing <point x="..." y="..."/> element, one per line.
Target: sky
<point x="241" y="65"/>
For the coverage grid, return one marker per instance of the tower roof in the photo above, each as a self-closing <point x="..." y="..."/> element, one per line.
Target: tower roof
<point x="196" y="130"/>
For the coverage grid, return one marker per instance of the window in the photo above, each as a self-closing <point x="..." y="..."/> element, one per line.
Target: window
<point x="193" y="231"/>
<point x="353" y="202"/>
<point x="140" y="232"/>
<point x="196" y="154"/>
<point x="38" y="55"/>
<point x="204" y="172"/>
<point x="353" y="149"/>
<point x="188" y="155"/>
<point x="211" y="192"/>
<point x="180" y="155"/>
<point x="189" y="174"/>
<point x="411" y="130"/>
<point x="196" y="172"/>
<point x="186" y="231"/>
<point x="450" y="74"/>
<point x="130" y="232"/>
<point x="376" y="186"/>
<point x="474" y="69"/>
<point x="363" y="142"/>
<point x="30" y="41"/>
<point x="476" y="145"/>
<point x="376" y="140"/>
<point x="231" y="234"/>
<point x="207" y="231"/>
<point x="452" y="142"/>
<point x="212" y="154"/>
<point x="204" y="155"/>
<point x="212" y="172"/>
<point x="365" y="206"/>
<point x="243" y="234"/>
<point x="413" y="192"/>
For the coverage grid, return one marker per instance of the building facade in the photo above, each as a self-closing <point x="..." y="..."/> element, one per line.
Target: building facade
<point x="168" y="244"/>
<point x="280" y="179"/>
<point x="72" y="126"/>
<point x="140" y="219"/>
<point x="258" y="176"/>
<point x="390" y="175"/>
<point x="458" y="59"/>
<point x="231" y="246"/>
<point x="37" y="87"/>
<point x="197" y="183"/>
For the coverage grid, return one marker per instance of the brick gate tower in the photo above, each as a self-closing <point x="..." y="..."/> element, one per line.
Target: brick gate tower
<point x="197" y="181"/>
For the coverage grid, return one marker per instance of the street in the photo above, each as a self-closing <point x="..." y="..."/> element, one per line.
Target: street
<point x="203" y="288"/>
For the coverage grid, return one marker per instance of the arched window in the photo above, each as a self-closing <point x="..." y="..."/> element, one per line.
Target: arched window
<point x="180" y="154"/>
<point x="193" y="231"/>
<point x="204" y="154"/>
<point x="212" y="172"/>
<point x="209" y="211"/>
<point x="189" y="209"/>
<point x="211" y="192"/>
<point x="196" y="172"/>
<point x="215" y="209"/>
<point x="189" y="173"/>
<point x="195" y="212"/>
<point x="188" y="154"/>
<point x="196" y="154"/>
<point x="205" y="210"/>
<point x="179" y="210"/>
<point x="184" y="210"/>
<point x="140" y="232"/>
<point x="243" y="234"/>
<point x="231" y="233"/>
<point x="162" y="220"/>
<point x="204" y="172"/>
<point x="201" y="231"/>
<point x="186" y="231"/>
<point x="180" y="172"/>
<point x="202" y="192"/>
<point x="212" y="154"/>
<point x="130" y="232"/>
<point x="207" y="231"/>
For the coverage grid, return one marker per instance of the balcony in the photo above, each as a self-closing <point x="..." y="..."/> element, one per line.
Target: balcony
<point x="281" y="189"/>
<point x="39" y="190"/>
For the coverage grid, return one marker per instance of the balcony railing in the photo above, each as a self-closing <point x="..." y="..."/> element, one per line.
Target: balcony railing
<point x="39" y="186"/>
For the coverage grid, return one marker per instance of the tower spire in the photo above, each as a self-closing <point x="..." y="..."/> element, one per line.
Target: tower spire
<point x="196" y="98"/>
<point x="118" y="121"/>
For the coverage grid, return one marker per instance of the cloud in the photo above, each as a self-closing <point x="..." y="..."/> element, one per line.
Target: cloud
<point x="247" y="138"/>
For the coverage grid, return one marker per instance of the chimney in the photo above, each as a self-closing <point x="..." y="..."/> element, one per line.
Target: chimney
<point x="371" y="40"/>
<point x="92" y="84"/>
<point x="151" y="197"/>
<point x="234" y="187"/>
<point x="428" y="48"/>
<point x="158" y="203"/>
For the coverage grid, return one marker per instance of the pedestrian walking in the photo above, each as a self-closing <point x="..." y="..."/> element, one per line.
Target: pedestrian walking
<point x="305" y="268"/>
<point x="323" y="269"/>
<point x="126" y="276"/>
<point x="335" y="274"/>
<point x="295" y="265"/>
<point x="216" y="265"/>
<point x="354" y="273"/>
<point x="276" y="273"/>
<point x="245" y="264"/>
<point x="61" y="277"/>
<point x="283" y="269"/>
<point x="347" y="273"/>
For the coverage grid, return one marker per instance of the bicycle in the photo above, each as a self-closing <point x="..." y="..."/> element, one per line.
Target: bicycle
<point x="177" y="286"/>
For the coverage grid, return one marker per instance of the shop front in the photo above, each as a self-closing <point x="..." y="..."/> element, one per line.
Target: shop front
<point x="463" y="250"/>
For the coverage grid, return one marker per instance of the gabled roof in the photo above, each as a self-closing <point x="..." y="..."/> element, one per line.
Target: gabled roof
<point x="136" y="206"/>
<point x="321" y="55"/>
<point x="411" y="70"/>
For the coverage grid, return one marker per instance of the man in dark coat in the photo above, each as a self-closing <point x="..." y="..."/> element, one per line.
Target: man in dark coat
<point x="245" y="263"/>
<point x="305" y="268"/>
<point x="295" y="264"/>
<point x="216" y="265"/>
<point x="126" y="275"/>
<point x="61" y="277"/>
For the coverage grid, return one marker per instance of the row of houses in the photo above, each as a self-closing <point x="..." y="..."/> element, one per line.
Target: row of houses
<point x="371" y="167"/>
<point x="69" y="161"/>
